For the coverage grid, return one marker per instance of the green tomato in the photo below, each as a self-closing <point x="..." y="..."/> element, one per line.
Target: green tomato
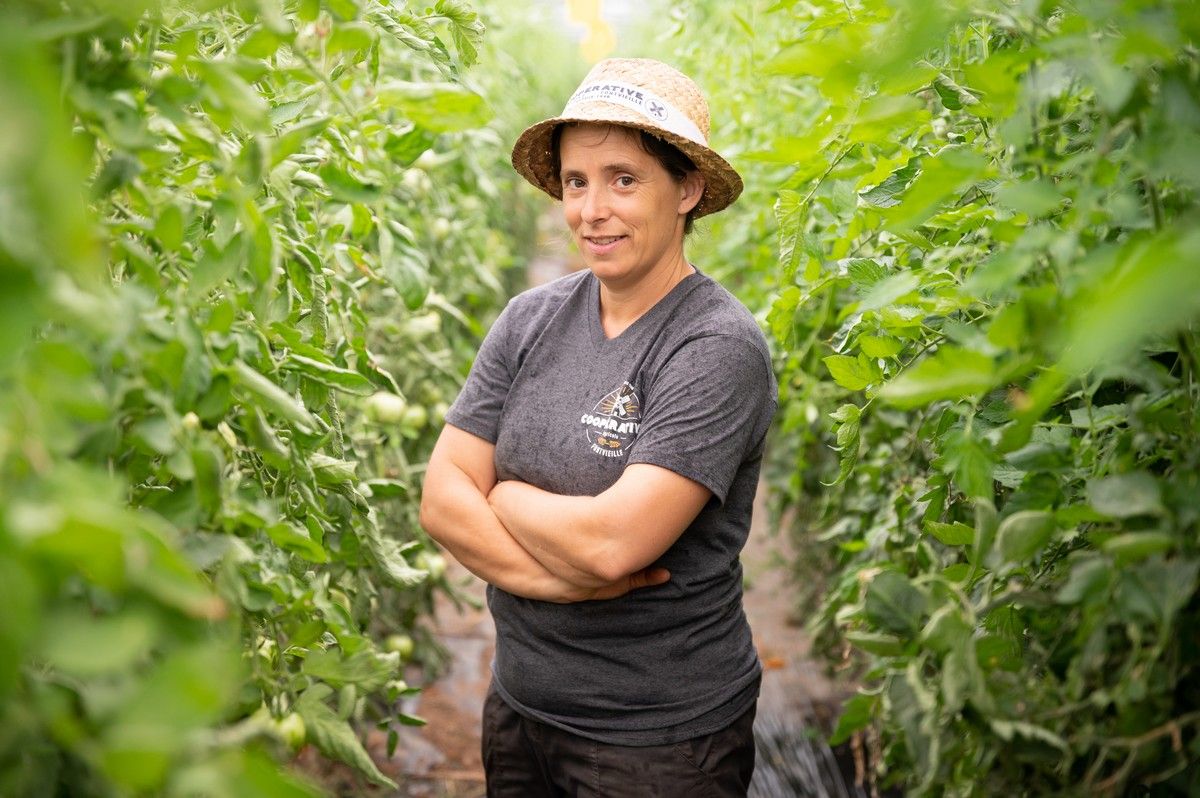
<point x="416" y="180"/>
<point x="423" y="325"/>
<point x="432" y="562"/>
<point x="386" y="408"/>
<point x="439" y="413"/>
<point x="415" y="417"/>
<point x="401" y="644"/>
<point x="291" y="730"/>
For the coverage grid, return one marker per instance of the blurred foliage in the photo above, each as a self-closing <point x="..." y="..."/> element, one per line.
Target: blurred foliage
<point x="247" y="251"/>
<point x="972" y="231"/>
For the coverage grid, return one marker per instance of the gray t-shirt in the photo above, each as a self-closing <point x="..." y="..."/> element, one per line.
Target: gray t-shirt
<point x="687" y="387"/>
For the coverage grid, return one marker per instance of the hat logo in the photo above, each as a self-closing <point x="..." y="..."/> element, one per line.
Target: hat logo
<point x="636" y="98"/>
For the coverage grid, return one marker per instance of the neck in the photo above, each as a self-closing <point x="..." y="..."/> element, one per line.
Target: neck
<point x="622" y="305"/>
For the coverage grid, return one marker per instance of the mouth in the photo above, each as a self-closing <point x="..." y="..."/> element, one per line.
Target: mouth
<point x="601" y="244"/>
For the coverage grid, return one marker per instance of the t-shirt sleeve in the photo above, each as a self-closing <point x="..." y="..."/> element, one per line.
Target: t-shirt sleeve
<point x="708" y="409"/>
<point x="479" y="404"/>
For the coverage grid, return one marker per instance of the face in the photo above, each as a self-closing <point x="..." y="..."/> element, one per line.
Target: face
<point x="625" y="211"/>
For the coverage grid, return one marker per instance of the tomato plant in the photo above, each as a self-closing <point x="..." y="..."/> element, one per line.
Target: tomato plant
<point x="971" y="231"/>
<point x="244" y="266"/>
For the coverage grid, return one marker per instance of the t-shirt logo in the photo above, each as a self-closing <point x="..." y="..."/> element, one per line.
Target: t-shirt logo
<point x="613" y="423"/>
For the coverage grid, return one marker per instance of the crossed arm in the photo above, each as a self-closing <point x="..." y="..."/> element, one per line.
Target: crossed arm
<point x="542" y="545"/>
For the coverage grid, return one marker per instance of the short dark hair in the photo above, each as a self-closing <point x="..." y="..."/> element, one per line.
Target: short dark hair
<point x="670" y="157"/>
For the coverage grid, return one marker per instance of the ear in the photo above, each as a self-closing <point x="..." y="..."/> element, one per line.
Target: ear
<point x="692" y="189"/>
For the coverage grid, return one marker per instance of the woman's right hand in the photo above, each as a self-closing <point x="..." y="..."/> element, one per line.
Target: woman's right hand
<point x="647" y="577"/>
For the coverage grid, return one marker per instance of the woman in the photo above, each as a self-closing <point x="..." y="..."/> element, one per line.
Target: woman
<point x="599" y="466"/>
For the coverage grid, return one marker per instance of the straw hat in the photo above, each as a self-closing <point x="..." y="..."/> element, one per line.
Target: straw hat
<point x="646" y="95"/>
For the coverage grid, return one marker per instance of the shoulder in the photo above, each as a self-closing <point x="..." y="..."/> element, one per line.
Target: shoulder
<point x="548" y="297"/>
<point x="714" y="320"/>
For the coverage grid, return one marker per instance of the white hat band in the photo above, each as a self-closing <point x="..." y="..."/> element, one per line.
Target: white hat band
<point x="647" y="103"/>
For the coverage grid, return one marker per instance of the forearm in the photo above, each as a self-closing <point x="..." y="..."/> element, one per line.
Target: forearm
<point x="559" y="531"/>
<point x="457" y="515"/>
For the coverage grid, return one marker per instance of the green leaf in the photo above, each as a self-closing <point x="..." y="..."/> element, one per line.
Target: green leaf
<point x="1033" y="197"/>
<point x="943" y="177"/>
<point x="437" y="107"/>
<point x="884" y="195"/>
<point x="1136" y="546"/>
<point x="84" y="645"/>
<point x="888" y="290"/>
<point x="1100" y="418"/>
<point x="1023" y="534"/>
<point x="1008" y="328"/>
<point x="191" y="687"/>
<point x="408" y="272"/>
<point x="879" y="346"/>
<point x="1126" y="495"/>
<point x="414" y="32"/>
<point x="865" y="273"/>
<point x="333" y="736"/>
<point x="294" y="538"/>
<point x="950" y="373"/>
<point x="331" y="471"/>
<point x="852" y="373"/>
<point x="1089" y="579"/>
<point x="283" y="113"/>
<point x="350" y="36"/>
<point x="346" y="187"/>
<point x="261" y="43"/>
<point x="388" y="554"/>
<point x="856" y="715"/>
<point x="782" y="316"/>
<point x="326" y="373"/>
<point x="877" y="643"/>
<point x="790" y="217"/>
<point x="946" y="92"/>
<point x="946" y="630"/>
<point x="893" y="604"/>
<point x="466" y="29"/>
<point x="169" y="227"/>
<point x="969" y="462"/>
<point x="956" y="534"/>
<point x="295" y="138"/>
<point x="265" y="440"/>
<point x="1113" y="83"/>
<point x="231" y="92"/>
<point x="343" y="9"/>
<point x="411" y="720"/>
<point x="406" y="146"/>
<point x="273" y="398"/>
<point x="387" y="488"/>
<point x="366" y="668"/>
<point x="117" y="171"/>
<point x="1149" y="286"/>
<point x="847" y="439"/>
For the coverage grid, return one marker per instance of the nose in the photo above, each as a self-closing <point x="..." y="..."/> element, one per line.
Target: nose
<point x="595" y="204"/>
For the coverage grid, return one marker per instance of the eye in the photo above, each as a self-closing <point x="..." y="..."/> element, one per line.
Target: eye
<point x="573" y="182"/>
<point x="626" y="181"/>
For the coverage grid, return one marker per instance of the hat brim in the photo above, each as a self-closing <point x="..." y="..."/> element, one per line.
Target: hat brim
<point x="533" y="156"/>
